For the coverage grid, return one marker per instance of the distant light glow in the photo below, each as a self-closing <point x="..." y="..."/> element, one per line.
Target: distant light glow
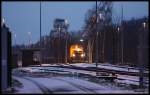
<point x="75" y="48"/>
<point x="81" y="40"/>
<point x="66" y="21"/>
<point x="144" y="24"/>
<point x="3" y="21"/>
<point x="82" y="55"/>
<point x="73" y="55"/>
<point x="118" y="28"/>
<point x="100" y="15"/>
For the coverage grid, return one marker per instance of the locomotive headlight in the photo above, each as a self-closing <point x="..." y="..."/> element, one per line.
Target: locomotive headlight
<point x="82" y="55"/>
<point x="73" y="55"/>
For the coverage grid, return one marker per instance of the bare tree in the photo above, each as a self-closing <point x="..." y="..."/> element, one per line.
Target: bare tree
<point x="104" y="20"/>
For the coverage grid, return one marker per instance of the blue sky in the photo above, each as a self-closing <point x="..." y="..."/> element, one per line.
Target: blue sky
<point x="23" y="17"/>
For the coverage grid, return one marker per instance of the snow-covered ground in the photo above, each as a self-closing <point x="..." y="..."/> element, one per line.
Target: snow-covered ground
<point x="109" y="67"/>
<point x="64" y="85"/>
<point x="28" y="86"/>
<point x="123" y="78"/>
<point x="71" y="84"/>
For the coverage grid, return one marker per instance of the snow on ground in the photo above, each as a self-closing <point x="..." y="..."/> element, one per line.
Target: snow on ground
<point x="127" y="77"/>
<point x="131" y="79"/>
<point x="71" y="84"/>
<point x="28" y="87"/>
<point x="108" y="66"/>
<point x="83" y="65"/>
<point x="68" y="84"/>
<point x="65" y="85"/>
<point x="123" y="78"/>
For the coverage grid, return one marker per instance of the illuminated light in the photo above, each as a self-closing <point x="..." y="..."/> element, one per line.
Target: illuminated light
<point x="73" y="55"/>
<point x="2" y="22"/>
<point x="100" y="15"/>
<point x="82" y="55"/>
<point x="78" y="49"/>
<point x="35" y="59"/>
<point x="81" y="40"/>
<point x="118" y="28"/>
<point x="75" y="48"/>
<point x="66" y="22"/>
<point x="144" y="24"/>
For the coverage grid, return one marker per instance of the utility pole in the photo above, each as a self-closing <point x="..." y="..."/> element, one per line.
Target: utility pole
<point x="29" y="33"/>
<point x="122" y="37"/>
<point x="96" y="43"/>
<point x="59" y="45"/>
<point x="66" y="47"/>
<point x="90" y="45"/>
<point x="141" y="54"/>
<point x="40" y="36"/>
<point x="66" y="34"/>
<point x="103" y="48"/>
<point x="15" y="38"/>
<point x="118" y="44"/>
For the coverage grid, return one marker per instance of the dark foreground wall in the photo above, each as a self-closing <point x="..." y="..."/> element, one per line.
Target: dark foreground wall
<point x="6" y="58"/>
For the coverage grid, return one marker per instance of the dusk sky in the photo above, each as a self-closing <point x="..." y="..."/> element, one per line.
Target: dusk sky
<point x="24" y="17"/>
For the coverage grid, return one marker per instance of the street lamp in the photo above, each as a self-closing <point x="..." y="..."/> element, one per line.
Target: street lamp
<point x="66" y="22"/>
<point x="66" y="46"/>
<point x="45" y="41"/>
<point x="96" y="42"/>
<point x="144" y="25"/>
<point x="100" y="16"/>
<point x="59" y="29"/>
<point x="118" y="29"/>
<point x="15" y="38"/>
<point x="81" y="40"/>
<point x="3" y="21"/>
<point x="141" y="54"/>
<point x="66" y="26"/>
<point x="29" y="33"/>
<point x="117" y="40"/>
<point x="100" y="20"/>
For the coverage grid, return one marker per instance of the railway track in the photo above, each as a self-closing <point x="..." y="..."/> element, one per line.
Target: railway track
<point x="82" y="88"/>
<point x="43" y="88"/>
<point x="105" y="70"/>
<point x="47" y="90"/>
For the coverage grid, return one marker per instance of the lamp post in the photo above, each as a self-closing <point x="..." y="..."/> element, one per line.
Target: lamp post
<point x="83" y="54"/>
<point x="40" y="43"/>
<point x="103" y="48"/>
<point x="122" y="38"/>
<point x="15" y="38"/>
<point x="2" y="22"/>
<point x="96" y="42"/>
<point x="29" y="33"/>
<point x="66" y="48"/>
<point x="66" y="26"/>
<point x="99" y="20"/>
<point x="59" y="29"/>
<point x="81" y="40"/>
<point x="141" y="54"/>
<point x="118" y="30"/>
